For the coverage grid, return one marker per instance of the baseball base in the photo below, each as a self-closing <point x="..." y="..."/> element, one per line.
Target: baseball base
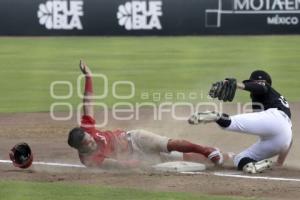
<point x="179" y="166"/>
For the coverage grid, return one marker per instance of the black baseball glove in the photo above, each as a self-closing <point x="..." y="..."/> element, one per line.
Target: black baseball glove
<point x="216" y="89"/>
<point x="21" y="155"/>
<point x="224" y="90"/>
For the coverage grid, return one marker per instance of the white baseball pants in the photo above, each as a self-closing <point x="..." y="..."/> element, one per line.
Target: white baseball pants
<point x="273" y="128"/>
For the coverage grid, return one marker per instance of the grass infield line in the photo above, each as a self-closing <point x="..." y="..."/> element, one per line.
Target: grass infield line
<point x="221" y="174"/>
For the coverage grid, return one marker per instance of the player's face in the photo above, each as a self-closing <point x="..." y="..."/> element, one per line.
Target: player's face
<point x="88" y="144"/>
<point x="259" y="81"/>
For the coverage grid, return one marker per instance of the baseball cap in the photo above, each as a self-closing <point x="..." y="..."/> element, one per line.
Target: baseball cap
<point x="260" y="75"/>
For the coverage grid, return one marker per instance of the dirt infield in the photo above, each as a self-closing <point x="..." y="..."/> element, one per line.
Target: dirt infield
<point x="48" y="141"/>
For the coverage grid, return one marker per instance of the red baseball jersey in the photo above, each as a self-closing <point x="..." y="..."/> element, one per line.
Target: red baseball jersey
<point x="111" y="143"/>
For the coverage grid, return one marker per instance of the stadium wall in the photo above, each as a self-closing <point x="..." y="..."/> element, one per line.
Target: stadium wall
<point x="148" y="17"/>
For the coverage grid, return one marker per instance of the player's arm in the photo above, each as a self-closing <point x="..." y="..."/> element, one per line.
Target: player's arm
<point x="283" y="155"/>
<point x="88" y="90"/>
<point x="253" y="87"/>
<point x="225" y="90"/>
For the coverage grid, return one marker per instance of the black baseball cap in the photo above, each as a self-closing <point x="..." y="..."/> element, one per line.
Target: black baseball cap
<point x="260" y="75"/>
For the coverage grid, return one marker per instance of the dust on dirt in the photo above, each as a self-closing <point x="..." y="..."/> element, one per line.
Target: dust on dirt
<point x="48" y="140"/>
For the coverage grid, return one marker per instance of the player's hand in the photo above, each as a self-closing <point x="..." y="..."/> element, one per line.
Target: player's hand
<point x="223" y="90"/>
<point x="84" y="68"/>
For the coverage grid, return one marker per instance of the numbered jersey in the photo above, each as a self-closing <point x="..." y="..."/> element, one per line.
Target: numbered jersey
<point x="110" y="143"/>
<point x="263" y="94"/>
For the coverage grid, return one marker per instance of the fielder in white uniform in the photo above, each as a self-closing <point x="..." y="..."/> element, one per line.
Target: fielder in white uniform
<point x="270" y="121"/>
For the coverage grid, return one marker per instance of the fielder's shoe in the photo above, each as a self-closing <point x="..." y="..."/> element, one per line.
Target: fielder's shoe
<point x="257" y="167"/>
<point x="216" y="157"/>
<point x="203" y="117"/>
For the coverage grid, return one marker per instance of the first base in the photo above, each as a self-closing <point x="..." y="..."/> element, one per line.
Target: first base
<point x="179" y="166"/>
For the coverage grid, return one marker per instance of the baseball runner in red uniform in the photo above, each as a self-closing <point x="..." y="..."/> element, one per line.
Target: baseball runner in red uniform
<point x="125" y="149"/>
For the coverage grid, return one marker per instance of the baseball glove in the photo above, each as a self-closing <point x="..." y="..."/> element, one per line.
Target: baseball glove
<point x="21" y="155"/>
<point x="216" y="89"/>
<point x="223" y="90"/>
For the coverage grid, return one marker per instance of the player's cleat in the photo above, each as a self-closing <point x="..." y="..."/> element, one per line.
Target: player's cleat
<point x="257" y="167"/>
<point x="203" y="117"/>
<point x="216" y="157"/>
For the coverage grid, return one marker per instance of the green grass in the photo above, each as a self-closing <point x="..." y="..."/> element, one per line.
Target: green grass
<point x="10" y="190"/>
<point x="154" y="64"/>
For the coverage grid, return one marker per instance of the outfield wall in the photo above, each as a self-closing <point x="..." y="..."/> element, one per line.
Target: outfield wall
<point x="149" y="17"/>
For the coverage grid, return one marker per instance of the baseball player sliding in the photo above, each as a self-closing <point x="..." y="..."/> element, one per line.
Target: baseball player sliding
<point x="125" y="149"/>
<point x="270" y="121"/>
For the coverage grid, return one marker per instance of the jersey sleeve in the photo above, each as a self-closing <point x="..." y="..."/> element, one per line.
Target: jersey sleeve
<point x="256" y="88"/>
<point x="87" y="121"/>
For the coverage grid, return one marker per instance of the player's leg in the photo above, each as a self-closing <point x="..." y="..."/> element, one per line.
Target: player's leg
<point x="179" y="156"/>
<point x="272" y="126"/>
<point x="249" y="159"/>
<point x="258" y="123"/>
<point x="274" y="130"/>
<point x="185" y="146"/>
<point x="254" y="159"/>
<point x="152" y="143"/>
<point x="256" y="152"/>
<point x="171" y="156"/>
<point x="196" y="157"/>
<point x="148" y="142"/>
<point x="265" y="123"/>
<point x="248" y="123"/>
